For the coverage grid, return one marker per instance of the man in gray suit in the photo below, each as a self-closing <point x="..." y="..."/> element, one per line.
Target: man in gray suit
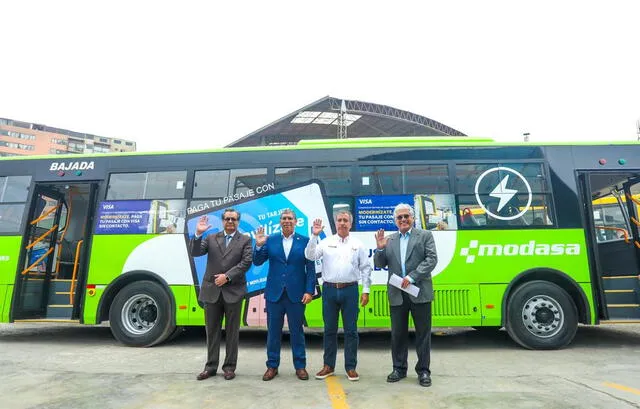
<point x="411" y="254"/>
<point x="223" y="288"/>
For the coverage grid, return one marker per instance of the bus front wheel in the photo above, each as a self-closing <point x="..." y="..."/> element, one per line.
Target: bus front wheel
<point x="141" y="314"/>
<point x="541" y="315"/>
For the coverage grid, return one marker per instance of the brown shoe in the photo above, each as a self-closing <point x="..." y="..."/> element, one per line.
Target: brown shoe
<point x="325" y="372"/>
<point x="270" y="374"/>
<point x="352" y="375"/>
<point x="204" y="375"/>
<point x="302" y="374"/>
<point x="229" y="375"/>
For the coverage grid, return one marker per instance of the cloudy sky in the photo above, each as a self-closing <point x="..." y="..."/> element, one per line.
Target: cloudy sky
<point x="200" y="74"/>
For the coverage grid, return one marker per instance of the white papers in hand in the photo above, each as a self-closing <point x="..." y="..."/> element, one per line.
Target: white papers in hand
<point x="396" y="281"/>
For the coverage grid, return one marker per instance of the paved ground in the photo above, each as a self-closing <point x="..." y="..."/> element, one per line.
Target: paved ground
<point x="69" y="366"/>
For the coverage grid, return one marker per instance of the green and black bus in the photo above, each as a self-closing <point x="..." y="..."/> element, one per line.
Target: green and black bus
<point x="533" y="238"/>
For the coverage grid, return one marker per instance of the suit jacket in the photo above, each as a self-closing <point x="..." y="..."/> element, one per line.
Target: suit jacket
<point x="421" y="259"/>
<point x="233" y="260"/>
<point x="295" y="273"/>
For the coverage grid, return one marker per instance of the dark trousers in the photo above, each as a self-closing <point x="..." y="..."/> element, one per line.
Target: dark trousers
<point x="421" y="314"/>
<point x="276" y="312"/>
<point x="213" y="315"/>
<point x="334" y="302"/>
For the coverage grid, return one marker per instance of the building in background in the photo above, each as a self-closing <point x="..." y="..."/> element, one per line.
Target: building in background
<point x="23" y="138"/>
<point x="331" y="118"/>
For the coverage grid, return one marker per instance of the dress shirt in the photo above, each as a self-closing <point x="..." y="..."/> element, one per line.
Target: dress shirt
<point x="343" y="260"/>
<point x="287" y="242"/>
<point x="404" y="242"/>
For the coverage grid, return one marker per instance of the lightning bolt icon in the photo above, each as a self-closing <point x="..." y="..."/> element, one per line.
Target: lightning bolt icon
<point x="503" y="193"/>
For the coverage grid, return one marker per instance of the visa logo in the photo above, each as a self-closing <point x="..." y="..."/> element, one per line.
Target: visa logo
<point x="108" y="207"/>
<point x="366" y="201"/>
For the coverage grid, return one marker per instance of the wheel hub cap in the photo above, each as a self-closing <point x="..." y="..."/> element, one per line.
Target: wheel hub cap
<point x="542" y="316"/>
<point x="139" y="314"/>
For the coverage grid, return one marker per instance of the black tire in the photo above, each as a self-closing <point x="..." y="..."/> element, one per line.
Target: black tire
<point x="141" y="315"/>
<point x="553" y="322"/>
<point x="175" y="334"/>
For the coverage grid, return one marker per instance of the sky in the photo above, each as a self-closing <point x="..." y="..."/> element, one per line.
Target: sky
<point x="201" y="74"/>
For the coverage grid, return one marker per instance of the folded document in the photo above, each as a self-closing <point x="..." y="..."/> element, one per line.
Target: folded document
<point x="396" y="281"/>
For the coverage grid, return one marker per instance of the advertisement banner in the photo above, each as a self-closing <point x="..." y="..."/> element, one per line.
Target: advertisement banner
<point x="376" y="212"/>
<point x="141" y="217"/>
<point x="307" y="201"/>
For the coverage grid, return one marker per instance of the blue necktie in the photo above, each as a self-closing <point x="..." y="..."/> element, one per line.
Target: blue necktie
<point x="228" y="238"/>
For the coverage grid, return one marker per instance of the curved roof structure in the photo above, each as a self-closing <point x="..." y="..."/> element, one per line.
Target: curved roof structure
<point x="321" y="119"/>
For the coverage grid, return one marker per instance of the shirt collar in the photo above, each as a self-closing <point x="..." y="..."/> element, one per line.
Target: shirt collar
<point x="229" y="234"/>
<point x="290" y="236"/>
<point x="407" y="234"/>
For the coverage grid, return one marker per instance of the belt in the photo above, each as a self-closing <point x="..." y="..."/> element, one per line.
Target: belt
<point x="340" y="285"/>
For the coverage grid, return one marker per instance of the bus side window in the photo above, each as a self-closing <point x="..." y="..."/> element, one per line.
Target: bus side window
<point x="467" y="218"/>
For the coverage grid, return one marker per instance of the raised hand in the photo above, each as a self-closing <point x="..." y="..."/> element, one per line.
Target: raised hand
<point x="203" y="225"/>
<point x="317" y="227"/>
<point x="261" y="238"/>
<point x="381" y="241"/>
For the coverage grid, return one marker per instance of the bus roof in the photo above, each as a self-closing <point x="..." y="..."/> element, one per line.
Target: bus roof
<point x="377" y="142"/>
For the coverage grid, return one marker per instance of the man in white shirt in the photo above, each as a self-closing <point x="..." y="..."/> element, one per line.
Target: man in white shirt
<point x="344" y="263"/>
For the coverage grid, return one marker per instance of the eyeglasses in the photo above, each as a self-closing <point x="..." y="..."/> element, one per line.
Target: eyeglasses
<point x="230" y="219"/>
<point x="286" y="218"/>
<point x="403" y="216"/>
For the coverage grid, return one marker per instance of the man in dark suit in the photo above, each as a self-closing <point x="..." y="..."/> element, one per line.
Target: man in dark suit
<point x="223" y="288"/>
<point x="411" y="254"/>
<point x="290" y="286"/>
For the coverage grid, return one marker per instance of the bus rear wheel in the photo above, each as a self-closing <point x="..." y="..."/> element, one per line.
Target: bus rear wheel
<point x="541" y="315"/>
<point x="141" y="315"/>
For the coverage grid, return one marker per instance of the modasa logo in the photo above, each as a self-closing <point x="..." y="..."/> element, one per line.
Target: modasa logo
<point x="532" y="248"/>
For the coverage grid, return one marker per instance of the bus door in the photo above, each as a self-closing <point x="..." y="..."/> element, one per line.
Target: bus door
<point x="53" y="252"/>
<point x="613" y="208"/>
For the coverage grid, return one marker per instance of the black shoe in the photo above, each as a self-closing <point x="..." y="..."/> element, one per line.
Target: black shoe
<point x="395" y="376"/>
<point x="425" y="379"/>
<point x="204" y="375"/>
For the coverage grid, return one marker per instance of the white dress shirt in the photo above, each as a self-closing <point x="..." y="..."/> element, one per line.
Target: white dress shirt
<point x="343" y="260"/>
<point x="287" y="242"/>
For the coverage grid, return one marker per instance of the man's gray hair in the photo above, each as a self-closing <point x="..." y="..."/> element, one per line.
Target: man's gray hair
<point x="343" y="211"/>
<point x="403" y="206"/>
<point x="288" y="211"/>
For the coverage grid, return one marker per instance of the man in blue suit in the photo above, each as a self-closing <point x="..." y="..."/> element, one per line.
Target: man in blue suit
<point x="290" y="285"/>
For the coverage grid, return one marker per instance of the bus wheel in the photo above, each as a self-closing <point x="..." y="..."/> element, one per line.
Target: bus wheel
<point x="541" y="315"/>
<point x="141" y="314"/>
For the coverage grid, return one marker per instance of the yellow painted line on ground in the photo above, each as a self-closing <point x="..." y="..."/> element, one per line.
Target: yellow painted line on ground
<point x="622" y="388"/>
<point x="336" y="393"/>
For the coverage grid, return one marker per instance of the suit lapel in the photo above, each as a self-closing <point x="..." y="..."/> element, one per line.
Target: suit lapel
<point x="412" y="243"/>
<point x="280" y="247"/>
<point x="220" y="241"/>
<point x="232" y="242"/>
<point x="296" y="242"/>
<point x="395" y="246"/>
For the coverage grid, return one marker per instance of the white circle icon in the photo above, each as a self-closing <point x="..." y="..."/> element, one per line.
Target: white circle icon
<point x="503" y="193"/>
